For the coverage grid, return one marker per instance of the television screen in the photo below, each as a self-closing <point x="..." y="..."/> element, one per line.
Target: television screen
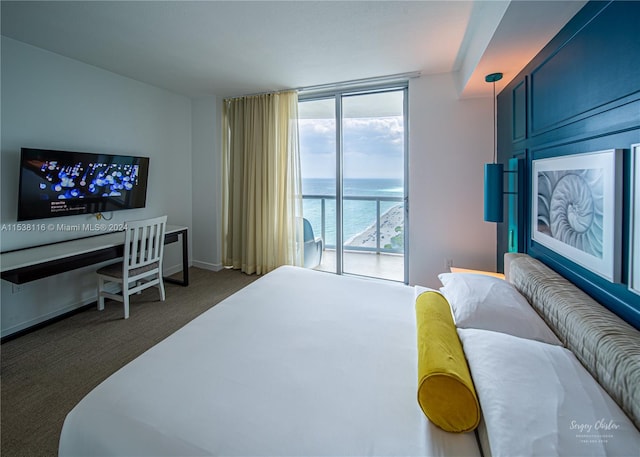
<point x="65" y="183"/>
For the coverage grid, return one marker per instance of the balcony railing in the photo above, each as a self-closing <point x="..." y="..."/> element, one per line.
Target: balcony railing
<point x="379" y="247"/>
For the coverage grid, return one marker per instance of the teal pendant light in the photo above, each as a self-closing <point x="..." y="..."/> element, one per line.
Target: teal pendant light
<point x="493" y="192"/>
<point x="493" y="186"/>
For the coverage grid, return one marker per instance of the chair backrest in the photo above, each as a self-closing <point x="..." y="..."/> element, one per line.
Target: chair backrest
<point x="308" y="230"/>
<point x="144" y="242"/>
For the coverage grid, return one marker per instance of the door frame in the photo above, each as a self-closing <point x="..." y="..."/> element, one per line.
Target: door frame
<point x="338" y="95"/>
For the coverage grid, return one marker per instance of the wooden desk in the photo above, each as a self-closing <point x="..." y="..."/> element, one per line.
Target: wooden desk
<point x="25" y="265"/>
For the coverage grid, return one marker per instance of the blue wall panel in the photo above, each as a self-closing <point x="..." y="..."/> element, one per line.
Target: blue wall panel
<point x="595" y="67"/>
<point x="581" y="93"/>
<point x="520" y="111"/>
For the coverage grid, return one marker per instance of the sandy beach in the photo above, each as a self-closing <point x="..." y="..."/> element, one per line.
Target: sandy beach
<point x="389" y="221"/>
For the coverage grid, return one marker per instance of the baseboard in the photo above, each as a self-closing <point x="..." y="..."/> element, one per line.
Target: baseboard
<point x="43" y="321"/>
<point x="52" y="317"/>
<point x="168" y="271"/>
<point x="207" y="265"/>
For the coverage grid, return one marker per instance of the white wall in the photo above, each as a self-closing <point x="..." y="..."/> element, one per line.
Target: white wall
<point x="50" y="101"/>
<point x="207" y="178"/>
<point x="449" y="142"/>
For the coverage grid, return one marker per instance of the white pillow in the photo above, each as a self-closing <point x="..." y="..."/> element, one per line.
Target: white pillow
<point x="537" y="399"/>
<point x="489" y="303"/>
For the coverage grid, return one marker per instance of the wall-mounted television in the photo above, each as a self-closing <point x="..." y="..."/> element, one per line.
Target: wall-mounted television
<point x="66" y="183"/>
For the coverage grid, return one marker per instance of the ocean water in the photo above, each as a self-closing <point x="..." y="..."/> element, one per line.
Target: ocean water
<point x="358" y="215"/>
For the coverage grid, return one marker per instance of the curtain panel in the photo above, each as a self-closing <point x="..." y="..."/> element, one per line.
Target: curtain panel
<point x="262" y="197"/>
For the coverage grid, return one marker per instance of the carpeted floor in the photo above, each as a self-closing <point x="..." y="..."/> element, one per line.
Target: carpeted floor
<point x="47" y="372"/>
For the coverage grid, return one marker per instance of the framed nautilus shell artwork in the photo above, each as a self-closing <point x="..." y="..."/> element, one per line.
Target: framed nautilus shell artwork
<point x="634" y="261"/>
<point x="577" y="209"/>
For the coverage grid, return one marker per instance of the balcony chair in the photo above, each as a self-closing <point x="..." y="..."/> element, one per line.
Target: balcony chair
<point x="313" y="246"/>
<point x="141" y="265"/>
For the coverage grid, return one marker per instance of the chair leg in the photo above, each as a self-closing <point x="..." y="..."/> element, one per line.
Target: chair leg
<point x="125" y="299"/>
<point x="161" y="287"/>
<point x="100" y="297"/>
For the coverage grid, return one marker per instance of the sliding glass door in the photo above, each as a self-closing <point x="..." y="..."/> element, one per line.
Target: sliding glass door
<point x="318" y="150"/>
<point x="373" y="184"/>
<point x="353" y="154"/>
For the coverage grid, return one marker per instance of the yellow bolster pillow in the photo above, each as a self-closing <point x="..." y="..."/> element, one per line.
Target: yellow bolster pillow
<point x="445" y="389"/>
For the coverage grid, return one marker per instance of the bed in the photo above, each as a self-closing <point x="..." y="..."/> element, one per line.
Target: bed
<point x="303" y="363"/>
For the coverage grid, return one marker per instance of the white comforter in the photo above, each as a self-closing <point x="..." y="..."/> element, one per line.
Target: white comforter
<point x="299" y="363"/>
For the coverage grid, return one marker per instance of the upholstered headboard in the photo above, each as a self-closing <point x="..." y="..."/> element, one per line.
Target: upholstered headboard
<point x="605" y="344"/>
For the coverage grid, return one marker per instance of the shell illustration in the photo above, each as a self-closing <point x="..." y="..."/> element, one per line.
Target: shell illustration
<point x="570" y="208"/>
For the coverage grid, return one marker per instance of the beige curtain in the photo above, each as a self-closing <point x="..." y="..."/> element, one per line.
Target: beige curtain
<point x="262" y="198"/>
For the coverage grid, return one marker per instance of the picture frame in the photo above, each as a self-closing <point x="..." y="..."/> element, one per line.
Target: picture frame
<point x="577" y="209"/>
<point x="634" y="218"/>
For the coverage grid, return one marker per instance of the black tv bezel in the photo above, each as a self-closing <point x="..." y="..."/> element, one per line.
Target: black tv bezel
<point x="94" y="206"/>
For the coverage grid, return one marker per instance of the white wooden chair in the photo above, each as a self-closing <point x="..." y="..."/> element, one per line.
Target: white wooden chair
<point x="141" y="265"/>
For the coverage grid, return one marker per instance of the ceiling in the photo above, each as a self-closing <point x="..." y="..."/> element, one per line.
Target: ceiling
<point x="232" y="48"/>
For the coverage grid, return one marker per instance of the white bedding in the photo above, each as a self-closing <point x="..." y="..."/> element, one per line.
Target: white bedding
<point x="299" y="363"/>
<point x="572" y="415"/>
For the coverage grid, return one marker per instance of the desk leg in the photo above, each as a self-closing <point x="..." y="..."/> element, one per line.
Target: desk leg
<point x="185" y="262"/>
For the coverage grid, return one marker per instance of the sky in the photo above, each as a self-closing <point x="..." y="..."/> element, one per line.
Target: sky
<point x="373" y="147"/>
<point x="372" y="132"/>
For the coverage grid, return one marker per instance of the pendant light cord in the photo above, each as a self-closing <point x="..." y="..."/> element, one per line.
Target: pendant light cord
<point x="492" y="78"/>
<point x="495" y="126"/>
